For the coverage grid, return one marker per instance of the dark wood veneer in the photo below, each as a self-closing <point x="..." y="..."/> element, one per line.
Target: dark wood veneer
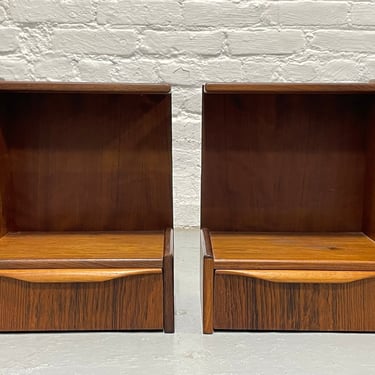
<point x="130" y="303"/>
<point x="168" y="281"/>
<point x="243" y="303"/>
<point x="207" y="281"/>
<point x="312" y="88"/>
<point x="80" y="87"/>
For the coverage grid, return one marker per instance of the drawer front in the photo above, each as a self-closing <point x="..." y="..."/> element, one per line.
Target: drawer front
<point x="338" y="304"/>
<point x="125" y="303"/>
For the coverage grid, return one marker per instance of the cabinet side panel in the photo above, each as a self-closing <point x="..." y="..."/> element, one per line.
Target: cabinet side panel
<point x="99" y="162"/>
<point x="207" y="282"/>
<point x="3" y="170"/>
<point x="369" y="203"/>
<point x="283" y="162"/>
<point x="168" y="281"/>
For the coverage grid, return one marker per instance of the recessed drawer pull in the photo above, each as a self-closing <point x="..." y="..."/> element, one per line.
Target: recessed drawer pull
<point x="297" y="276"/>
<point x="75" y="275"/>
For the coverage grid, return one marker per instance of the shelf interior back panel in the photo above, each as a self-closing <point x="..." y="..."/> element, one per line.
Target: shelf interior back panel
<point x="286" y="162"/>
<point x="85" y="162"/>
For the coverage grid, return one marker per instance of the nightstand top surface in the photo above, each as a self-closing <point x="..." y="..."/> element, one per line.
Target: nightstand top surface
<point x="293" y="250"/>
<point x="85" y="87"/>
<point x="78" y="249"/>
<point x="274" y="88"/>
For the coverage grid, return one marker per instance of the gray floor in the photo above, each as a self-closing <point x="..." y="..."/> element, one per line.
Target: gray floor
<point x="187" y="351"/>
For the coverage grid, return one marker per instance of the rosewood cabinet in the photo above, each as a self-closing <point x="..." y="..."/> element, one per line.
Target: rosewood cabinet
<point x="85" y="207"/>
<point x="288" y="207"/>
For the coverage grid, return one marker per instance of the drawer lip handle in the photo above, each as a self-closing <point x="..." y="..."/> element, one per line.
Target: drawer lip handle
<point x="302" y="276"/>
<point x="75" y="275"/>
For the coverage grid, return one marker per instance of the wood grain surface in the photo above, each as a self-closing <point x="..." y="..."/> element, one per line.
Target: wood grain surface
<point x="25" y="250"/>
<point x="243" y="303"/>
<point x="168" y="281"/>
<point x="277" y="162"/>
<point x="369" y="209"/>
<point x="288" y="184"/>
<point x="85" y="199"/>
<point x="130" y="303"/>
<point x="334" y="88"/>
<point x="302" y="276"/>
<point x="325" y="251"/>
<point x="88" y="162"/>
<point x="84" y="87"/>
<point x="207" y="282"/>
<point x="4" y="168"/>
<point x="78" y="275"/>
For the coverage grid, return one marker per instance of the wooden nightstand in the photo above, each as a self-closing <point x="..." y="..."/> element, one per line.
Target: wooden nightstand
<point x="86" y="207"/>
<point x="288" y="207"/>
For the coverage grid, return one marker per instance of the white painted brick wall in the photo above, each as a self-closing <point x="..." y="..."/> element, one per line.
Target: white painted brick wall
<point x="186" y="43"/>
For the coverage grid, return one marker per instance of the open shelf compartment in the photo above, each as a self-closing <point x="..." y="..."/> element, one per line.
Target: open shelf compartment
<point x="86" y="190"/>
<point x="288" y="184"/>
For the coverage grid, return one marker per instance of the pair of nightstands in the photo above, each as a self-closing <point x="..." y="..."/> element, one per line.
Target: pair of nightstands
<point x="288" y="200"/>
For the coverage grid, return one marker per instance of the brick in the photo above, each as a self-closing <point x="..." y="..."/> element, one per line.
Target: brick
<point x="167" y="43"/>
<point x="126" y="12"/>
<point x="193" y="103"/>
<point x="352" y="41"/>
<point x="188" y="153"/>
<point x="187" y="128"/>
<point x="299" y="72"/>
<point x="8" y="39"/>
<point x="188" y="100"/>
<point x="222" y="13"/>
<point x="363" y="14"/>
<point x="13" y="69"/>
<point x="96" y="42"/>
<point x="64" y="11"/>
<point x="270" y="42"/>
<point x="2" y="14"/>
<point x="185" y="188"/>
<point x="308" y="13"/>
<point x="187" y="215"/>
<point x="54" y="68"/>
<point x="258" y="72"/>
<point x="92" y="70"/>
<point x="132" y="12"/>
<point x="138" y="71"/>
<point x="221" y="70"/>
<point x="183" y="74"/>
<point x="340" y="70"/>
<point x="164" y="12"/>
<point x="370" y="69"/>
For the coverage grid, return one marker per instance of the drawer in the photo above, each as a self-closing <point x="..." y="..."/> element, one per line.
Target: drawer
<point x="294" y="300"/>
<point x="67" y="300"/>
